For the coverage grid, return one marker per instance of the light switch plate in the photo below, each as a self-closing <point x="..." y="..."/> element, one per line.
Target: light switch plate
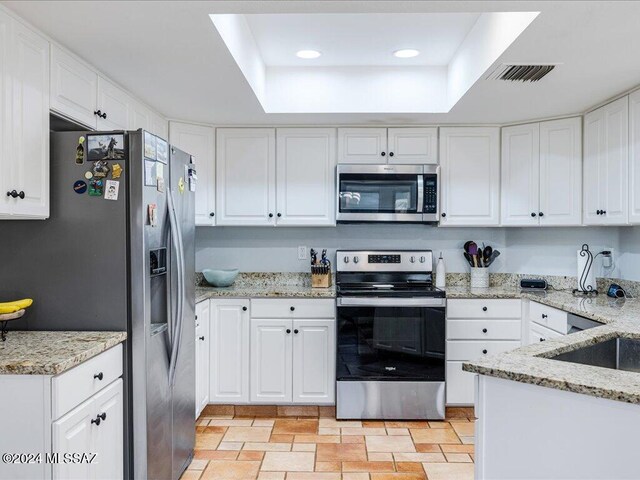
<point x="302" y="252"/>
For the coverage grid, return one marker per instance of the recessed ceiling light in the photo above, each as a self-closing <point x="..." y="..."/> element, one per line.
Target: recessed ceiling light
<point x="308" y="54"/>
<point x="406" y="53"/>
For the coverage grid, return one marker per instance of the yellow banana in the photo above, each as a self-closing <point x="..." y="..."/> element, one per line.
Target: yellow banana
<point x="9" y="308"/>
<point x="24" y="303"/>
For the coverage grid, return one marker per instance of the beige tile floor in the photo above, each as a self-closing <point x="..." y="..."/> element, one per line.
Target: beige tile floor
<point x="236" y="447"/>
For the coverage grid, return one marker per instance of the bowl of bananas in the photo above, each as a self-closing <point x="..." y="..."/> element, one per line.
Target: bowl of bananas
<point x="11" y="311"/>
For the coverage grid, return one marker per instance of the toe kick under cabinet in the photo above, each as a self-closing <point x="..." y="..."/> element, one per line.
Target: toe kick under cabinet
<point x="73" y="421"/>
<point x="272" y="351"/>
<point x="477" y="327"/>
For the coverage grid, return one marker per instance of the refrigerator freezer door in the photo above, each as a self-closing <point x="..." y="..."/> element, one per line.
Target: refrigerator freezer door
<point x="184" y="382"/>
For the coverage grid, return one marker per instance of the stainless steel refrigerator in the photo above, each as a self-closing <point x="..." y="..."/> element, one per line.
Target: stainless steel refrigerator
<point x="118" y="253"/>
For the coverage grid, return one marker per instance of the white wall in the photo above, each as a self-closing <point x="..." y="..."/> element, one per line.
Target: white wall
<point x="549" y="251"/>
<point x="629" y="259"/>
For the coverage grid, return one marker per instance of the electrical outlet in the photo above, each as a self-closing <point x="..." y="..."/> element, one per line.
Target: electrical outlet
<point x="302" y="252"/>
<point x="608" y="261"/>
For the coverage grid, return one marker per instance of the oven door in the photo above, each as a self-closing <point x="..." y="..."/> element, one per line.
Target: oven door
<point x="380" y="193"/>
<point x="391" y="339"/>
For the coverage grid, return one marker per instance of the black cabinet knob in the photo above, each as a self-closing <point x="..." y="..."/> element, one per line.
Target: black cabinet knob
<point x="484" y="330"/>
<point x="21" y="194"/>
<point x="201" y="338"/>
<point x="604" y="212"/>
<point x="292" y="308"/>
<point x="484" y="309"/>
<point x="98" y="113"/>
<point x="295" y="331"/>
<point x="102" y="415"/>
<point x="542" y="339"/>
<point x="104" y="115"/>
<point x="288" y="330"/>
<point x="443" y="214"/>
<point x="540" y="214"/>
<point x="212" y="214"/>
<point x="382" y="154"/>
<point x="279" y="215"/>
<point x="391" y="154"/>
<point x="196" y="317"/>
<point x="271" y="215"/>
<point x="15" y="194"/>
<point x="99" y="376"/>
<point x="96" y="421"/>
<point x="484" y="351"/>
<point x="244" y="309"/>
<point x="533" y="214"/>
<point x="544" y="315"/>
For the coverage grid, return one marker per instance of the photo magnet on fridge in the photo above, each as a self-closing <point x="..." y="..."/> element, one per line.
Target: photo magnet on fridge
<point x="105" y="147"/>
<point x="161" y="151"/>
<point x="149" y="146"/>
<point x="111" y="190"/>
<point x="80" y="151"/>
<point x="80" y="186"/>
<point x="96" y="187"/>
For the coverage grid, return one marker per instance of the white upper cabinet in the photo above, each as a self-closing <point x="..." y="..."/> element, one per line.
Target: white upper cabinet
<point x="305" y="174"/>
<point x="199" y="141"/>
<point x="634" y="158"/>
<point x="413" y="145"/>
<point x="542" y="174"/>
<point x="362" y="145"/>
<point x="74" y="88"/>
<point x="24" y="126"/>
<point x="245" y="176"/>
<point x="561" y="172"/>
<point x="114" y="104"/>
<point x="470" y="176"/>
<point x="398" y="145"/>
<point x="139" y="116"/>
<point x="606" y="164"/>
<point x="520" y="175"/>
<point x="159" y="126"/>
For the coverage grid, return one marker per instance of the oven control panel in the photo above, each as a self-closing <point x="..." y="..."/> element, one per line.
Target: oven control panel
<point x="384" y="261"/>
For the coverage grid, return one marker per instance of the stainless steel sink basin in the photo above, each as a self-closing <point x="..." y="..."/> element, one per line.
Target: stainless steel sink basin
<point x="617" y="353"/>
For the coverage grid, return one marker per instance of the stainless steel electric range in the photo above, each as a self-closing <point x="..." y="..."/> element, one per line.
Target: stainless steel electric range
<point x="391" y="336"/>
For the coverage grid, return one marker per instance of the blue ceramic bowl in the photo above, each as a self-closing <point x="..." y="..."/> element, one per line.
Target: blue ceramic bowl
<point x="220" y="278"/>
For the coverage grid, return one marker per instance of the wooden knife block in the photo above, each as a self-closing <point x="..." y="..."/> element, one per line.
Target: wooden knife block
<point x="321" y="280"/>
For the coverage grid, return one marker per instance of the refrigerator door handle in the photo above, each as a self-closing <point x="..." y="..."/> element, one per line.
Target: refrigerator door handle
<point x="177" y="325"/>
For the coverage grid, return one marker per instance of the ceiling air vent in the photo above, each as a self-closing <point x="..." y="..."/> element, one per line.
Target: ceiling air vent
<point x="520" y="73"/>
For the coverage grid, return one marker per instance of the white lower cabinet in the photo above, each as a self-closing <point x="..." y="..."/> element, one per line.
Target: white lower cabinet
<point x="271" y="360"/>
<point x="314" y="361"/>
<point x="229" y="351"/>
<point x="475" y="328"/>
<point x="202" y="356"/>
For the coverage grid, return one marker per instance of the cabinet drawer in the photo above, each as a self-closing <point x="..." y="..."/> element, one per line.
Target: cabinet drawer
<point x="548" y="316"/>
<point x="479" y="329"/>
<point x="293" y="308"/>
<point x="473" y="349"/>
<point x="479" y="308"/>
<point x="72" y="387"/>
<point x="538" y="333"/>
<point x="460" y="385"/>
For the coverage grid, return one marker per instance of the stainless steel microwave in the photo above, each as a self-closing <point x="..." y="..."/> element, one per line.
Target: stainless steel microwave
<point x="388" y="193"/>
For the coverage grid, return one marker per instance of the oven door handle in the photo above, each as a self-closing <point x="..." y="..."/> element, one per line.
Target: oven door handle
<point x="390" y="302"/>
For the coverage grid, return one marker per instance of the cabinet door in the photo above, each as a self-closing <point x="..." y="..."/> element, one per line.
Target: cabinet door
<point x="159" y="126"/>
<point x="109" y="435"/>
<point x="74" y="433"/>
<point x="271" y="356"/>
<point x="362" y="145"/>
<point x="229" y="351"/>
<point x="115" y="103"/>
<point x="561" y="172"/>
<point x="460" y="385"/>
<point x="634" y="158"/>
<point x="413" y="145"/>
<point x="74" y="88"/>
<point x="202" y="356"/>
<point x="314" y="371"/>
<point x="520" y="175"/>
<point x="139" y="117"/>
<point x="606" y="164"/>
<point x="305" y="166"/>
<point x="29" y="157"/>
<point x="470" y="161"/>
<point x="245" y="176"/>
<point x="199" y="141"/>
<point x="6" y="158"/>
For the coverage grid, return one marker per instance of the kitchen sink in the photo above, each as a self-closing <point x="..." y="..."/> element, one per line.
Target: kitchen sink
<point x="617" y="353"/>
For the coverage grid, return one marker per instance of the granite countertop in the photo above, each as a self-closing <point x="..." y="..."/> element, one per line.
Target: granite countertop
<point x="51" y="353"/>
<point x="532" y="364"/>
<point x="264" y="291"/>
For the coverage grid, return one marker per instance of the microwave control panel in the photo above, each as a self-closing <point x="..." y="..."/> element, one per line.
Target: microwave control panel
<point x="430" y="194"/>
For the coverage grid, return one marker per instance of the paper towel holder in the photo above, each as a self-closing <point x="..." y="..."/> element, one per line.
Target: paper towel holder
<point x="585" y="288"/>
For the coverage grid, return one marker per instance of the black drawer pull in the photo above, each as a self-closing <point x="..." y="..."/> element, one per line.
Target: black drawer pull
<point x="484" y="309"/>
<point x="484" y="351"/>
<point x="484" y="330"/>
<point x="544" y="316"/>
<point x="99" y="376"/>
<point x="295" y="331"/>
<point x="288" y="330"/>
<point x="201" y="338"/>
<point x="542" y="339"/>
<point x="292" y="308"/>
<point x="244" y="309"/>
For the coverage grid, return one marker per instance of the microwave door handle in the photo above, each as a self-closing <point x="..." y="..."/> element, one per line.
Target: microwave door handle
<point x="419" y="207"/>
